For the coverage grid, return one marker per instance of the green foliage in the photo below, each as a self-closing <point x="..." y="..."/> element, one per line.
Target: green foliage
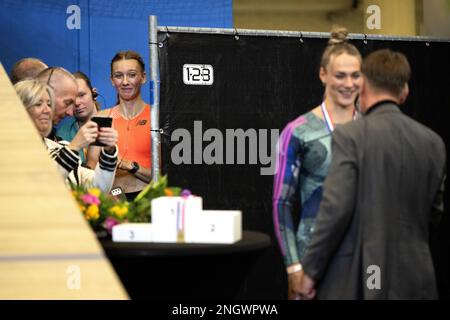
<point x="104" y="211"/>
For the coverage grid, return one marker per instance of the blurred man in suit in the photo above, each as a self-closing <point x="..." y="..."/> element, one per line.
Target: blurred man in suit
<point x="383" y="191"/>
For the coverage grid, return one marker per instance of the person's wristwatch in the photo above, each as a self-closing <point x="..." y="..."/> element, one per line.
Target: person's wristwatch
<point x="135" y="167"/>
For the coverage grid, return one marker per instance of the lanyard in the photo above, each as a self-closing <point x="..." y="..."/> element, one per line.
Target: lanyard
<point x="328" y="119"/>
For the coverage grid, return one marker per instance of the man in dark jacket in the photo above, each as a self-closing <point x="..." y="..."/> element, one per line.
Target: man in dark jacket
<point x="383" y="190"/>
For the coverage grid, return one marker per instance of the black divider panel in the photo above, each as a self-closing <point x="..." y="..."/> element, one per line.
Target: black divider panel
<point x="263" y="82"/>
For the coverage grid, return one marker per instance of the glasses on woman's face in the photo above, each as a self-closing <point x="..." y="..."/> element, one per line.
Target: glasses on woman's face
<point x="120" y="76"/>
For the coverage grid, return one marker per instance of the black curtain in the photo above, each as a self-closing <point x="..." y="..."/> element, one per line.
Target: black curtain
<point x="263" y="82"/>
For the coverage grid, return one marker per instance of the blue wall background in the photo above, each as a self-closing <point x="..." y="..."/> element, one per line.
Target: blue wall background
<point x="42" y="29"/>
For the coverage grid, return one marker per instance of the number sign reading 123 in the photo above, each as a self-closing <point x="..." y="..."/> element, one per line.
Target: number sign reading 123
<point x="198" y="74"/>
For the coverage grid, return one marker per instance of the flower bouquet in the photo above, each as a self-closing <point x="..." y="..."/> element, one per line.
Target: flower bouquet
<point x="103" y="211"/>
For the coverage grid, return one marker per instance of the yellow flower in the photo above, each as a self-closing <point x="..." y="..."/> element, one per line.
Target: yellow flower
<point x="95" y="192"/>
<point x="168" y="192"/>
<point x="75" y="193"/>
<point x="119" y="211"/>
<point x="92" y="212"/>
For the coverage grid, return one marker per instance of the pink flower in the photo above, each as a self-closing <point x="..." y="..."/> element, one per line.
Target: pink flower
<point x="186" y="193"/>
<point x="109" y="223"/>
<point x="90" y="199"/>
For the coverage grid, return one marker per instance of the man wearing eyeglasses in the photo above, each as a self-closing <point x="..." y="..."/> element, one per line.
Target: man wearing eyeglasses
<point x="65" y="88"/>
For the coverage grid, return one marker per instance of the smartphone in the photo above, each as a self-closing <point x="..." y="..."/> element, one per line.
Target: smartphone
<point x="101" y="122"/>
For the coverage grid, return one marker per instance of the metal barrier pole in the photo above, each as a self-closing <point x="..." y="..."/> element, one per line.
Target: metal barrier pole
<point x="154" y="97"/>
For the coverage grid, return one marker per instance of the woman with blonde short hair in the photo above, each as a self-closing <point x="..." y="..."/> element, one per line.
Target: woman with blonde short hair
<point x="38" y="99"/>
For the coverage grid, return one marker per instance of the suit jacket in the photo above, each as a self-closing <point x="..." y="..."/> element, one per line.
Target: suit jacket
<point x="384" y="188"/>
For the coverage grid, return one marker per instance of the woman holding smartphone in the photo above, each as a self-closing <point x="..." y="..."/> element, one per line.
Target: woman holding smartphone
<point x="39" y="101"/>
<point x="131" y="118"/>
<point x="85" y="107"/>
